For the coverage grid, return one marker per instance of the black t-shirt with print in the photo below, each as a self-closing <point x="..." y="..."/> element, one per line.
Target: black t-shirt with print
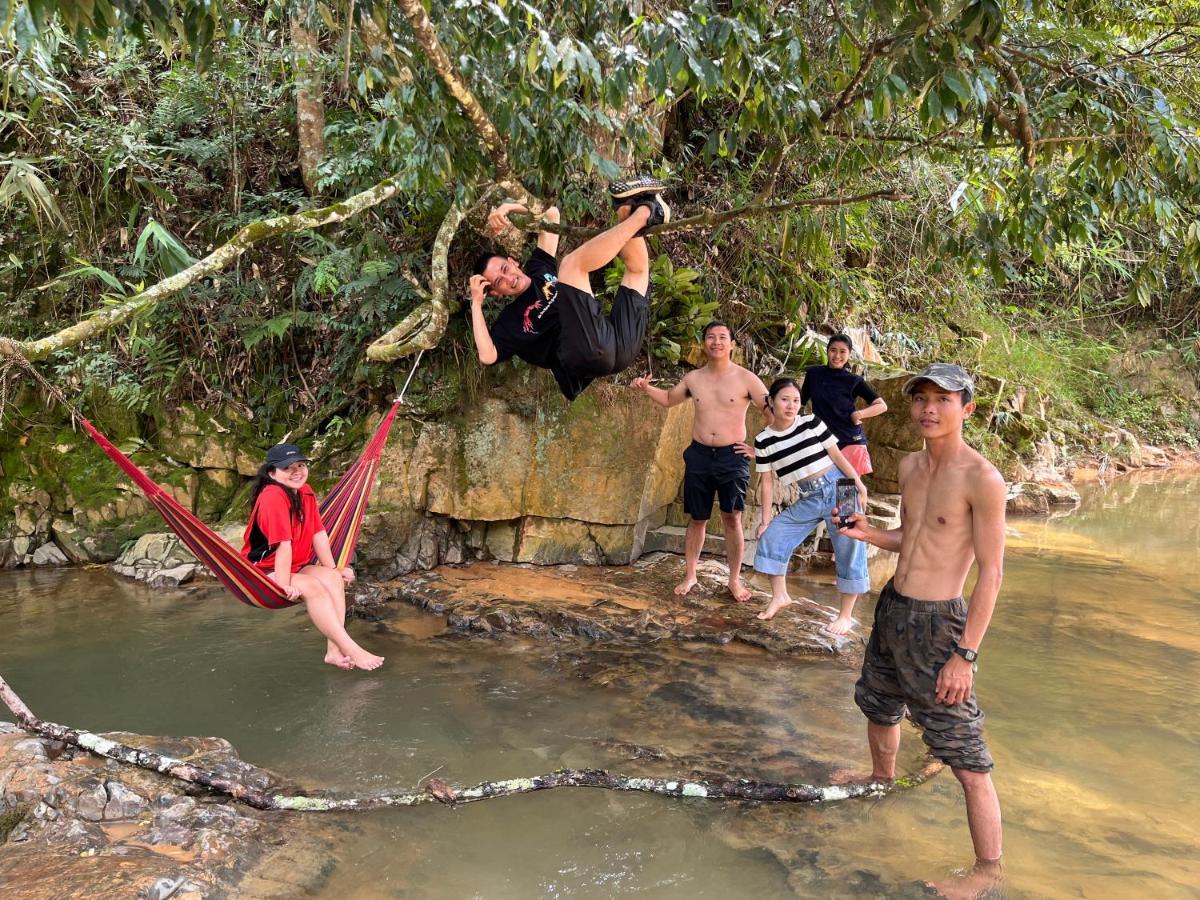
<point x="529" y="326"/>
<point x="832" y="392"/>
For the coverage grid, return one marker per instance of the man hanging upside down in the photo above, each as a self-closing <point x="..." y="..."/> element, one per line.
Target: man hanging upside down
<point x="554" y="321"/>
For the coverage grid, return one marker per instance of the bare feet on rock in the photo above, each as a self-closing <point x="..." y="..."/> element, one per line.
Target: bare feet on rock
<point x="684" y="586"/>
<point x="841" y="625"/>
<point x="976" y="883"/>
<point x="335" y="658"/>
<point x="738" y="591"/>
<point x="776" y="604"/>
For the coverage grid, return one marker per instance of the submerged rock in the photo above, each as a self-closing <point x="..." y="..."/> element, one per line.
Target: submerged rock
<point x="615" y="604"/>
<point x="75" y="825"/>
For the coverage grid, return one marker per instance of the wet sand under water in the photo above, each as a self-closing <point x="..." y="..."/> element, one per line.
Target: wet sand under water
<point x="1088" y="677"/>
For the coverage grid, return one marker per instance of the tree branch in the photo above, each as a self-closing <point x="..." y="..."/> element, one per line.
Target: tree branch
<point x="493" y="143"/>
<point x="423" y="328"/>
<point x="437" y="791"/>
<point x="1021" y="129"/>
<point x="709" y="217"/>
<point x="104" y="319"/>
<point x="851" y="92"/>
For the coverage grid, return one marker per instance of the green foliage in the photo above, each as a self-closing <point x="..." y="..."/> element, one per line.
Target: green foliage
<point x="138" y="155"/>
<point x="678" y="306"/>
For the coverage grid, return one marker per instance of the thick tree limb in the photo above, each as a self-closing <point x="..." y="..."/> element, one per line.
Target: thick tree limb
<point x="439" y="792"/>
<point x="423" y="328"/>
<point x="109" y="317"/>
<point x="709" y="217"/>
<point x="495" y="145"/>
<point x="1021" y="128"/>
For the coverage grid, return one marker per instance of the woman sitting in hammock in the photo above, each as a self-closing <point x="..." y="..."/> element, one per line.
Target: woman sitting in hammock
<point x="287" y="540"/>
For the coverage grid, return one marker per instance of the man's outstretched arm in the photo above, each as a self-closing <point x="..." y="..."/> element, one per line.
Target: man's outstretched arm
<point x="661" y="396"/>
<point x="479" y="330"/>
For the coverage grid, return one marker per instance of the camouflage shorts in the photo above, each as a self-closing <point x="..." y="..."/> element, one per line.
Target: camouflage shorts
<point x="910" y="642"/>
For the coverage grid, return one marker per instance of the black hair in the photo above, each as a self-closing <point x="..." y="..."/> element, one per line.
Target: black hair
<point x="778" y="385"/>
<point x="963" y="394"/>
<point x="841" y="337"/>
<point x="263" y="480"/>
<point x="481" y="262"/>
<point x="715" y="323"/>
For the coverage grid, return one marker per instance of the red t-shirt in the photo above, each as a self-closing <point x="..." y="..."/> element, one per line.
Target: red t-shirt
<point x="272" y="521"/>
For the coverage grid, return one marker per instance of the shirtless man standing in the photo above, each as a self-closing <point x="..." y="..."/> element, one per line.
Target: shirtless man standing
<point x="922" y="652"/>
<point x="718" y="460"/>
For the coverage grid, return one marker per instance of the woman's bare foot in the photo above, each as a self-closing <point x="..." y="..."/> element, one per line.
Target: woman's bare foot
<point x="335" y="658"/>
<point x="738" y="591"/>
<point x="364" y="660"/>
<point x="841" y="625"/>
<point x="684" y="586"/>
<point x="776" y="604"/>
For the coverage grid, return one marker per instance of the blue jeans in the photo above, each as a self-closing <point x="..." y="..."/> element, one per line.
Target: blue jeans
<point x="792" y="526"/>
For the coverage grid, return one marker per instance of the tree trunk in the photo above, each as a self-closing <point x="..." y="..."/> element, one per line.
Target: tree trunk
<point x="310" y="104"/>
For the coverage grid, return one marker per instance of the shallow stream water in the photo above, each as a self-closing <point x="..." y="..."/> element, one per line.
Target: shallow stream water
<point x="1088" y="675"/>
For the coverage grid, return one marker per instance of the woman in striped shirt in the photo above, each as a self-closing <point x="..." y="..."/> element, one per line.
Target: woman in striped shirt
<point x="797" y="459"/>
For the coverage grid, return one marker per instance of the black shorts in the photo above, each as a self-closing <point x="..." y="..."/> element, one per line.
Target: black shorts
<point x="713" y="470"/>
<point x="593" y="344"/>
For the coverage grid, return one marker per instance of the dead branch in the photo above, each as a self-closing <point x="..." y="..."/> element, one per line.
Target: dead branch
<point x="109" y="317"/>
<point x="437" y="791"/>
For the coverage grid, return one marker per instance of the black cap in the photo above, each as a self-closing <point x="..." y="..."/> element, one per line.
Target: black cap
<point x="283" y="455"/>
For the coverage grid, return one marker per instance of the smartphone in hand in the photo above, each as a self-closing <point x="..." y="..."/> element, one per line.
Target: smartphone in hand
<point x="847" y="501"/>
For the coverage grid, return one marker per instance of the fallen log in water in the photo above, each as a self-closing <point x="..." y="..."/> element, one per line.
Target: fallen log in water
<point x="436" y="791"/>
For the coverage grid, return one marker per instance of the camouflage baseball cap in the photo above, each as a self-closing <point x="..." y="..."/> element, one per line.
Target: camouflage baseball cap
<point x="947" y="376"/>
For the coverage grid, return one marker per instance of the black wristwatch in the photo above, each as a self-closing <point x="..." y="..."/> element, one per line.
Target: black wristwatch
<point x="969" y="655"/>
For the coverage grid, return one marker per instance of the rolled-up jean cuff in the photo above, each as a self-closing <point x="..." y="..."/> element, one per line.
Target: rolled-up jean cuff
<point x="851" y="585"/>
<point x="769" y="566"/>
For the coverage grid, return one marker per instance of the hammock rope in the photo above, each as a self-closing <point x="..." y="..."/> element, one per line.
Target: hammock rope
<point x="342" y="509"/>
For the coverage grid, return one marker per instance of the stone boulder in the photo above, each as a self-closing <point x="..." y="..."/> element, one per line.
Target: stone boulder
<point x="161" y="560"/>
<point x="576" y="482"/>
<point x="1041" y="497"/>
<point x="73" y="825"/>
<point x="891" y="436"/>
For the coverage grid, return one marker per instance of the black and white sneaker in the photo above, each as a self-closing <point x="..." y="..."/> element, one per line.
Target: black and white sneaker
<point x="660" y="213"/>
<point x="631" y="190"/>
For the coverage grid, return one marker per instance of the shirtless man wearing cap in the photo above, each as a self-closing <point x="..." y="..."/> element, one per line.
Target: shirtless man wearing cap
<point x="926" y="637"/>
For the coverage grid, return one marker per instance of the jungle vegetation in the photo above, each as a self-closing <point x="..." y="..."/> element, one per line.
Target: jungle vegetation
<point x="1033" y="170"/>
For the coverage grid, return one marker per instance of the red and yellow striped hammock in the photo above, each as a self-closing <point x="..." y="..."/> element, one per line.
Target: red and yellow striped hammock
<point x="341" y="511"/>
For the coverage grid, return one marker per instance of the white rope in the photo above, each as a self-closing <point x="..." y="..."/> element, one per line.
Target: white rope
<point x="400" y="397"/>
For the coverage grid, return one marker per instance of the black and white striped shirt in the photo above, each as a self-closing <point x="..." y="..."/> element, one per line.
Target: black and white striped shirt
<point x="795" y="454"/>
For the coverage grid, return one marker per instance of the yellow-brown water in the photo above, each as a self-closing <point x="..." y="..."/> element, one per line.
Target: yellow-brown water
<point x="1088" y="676"/>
